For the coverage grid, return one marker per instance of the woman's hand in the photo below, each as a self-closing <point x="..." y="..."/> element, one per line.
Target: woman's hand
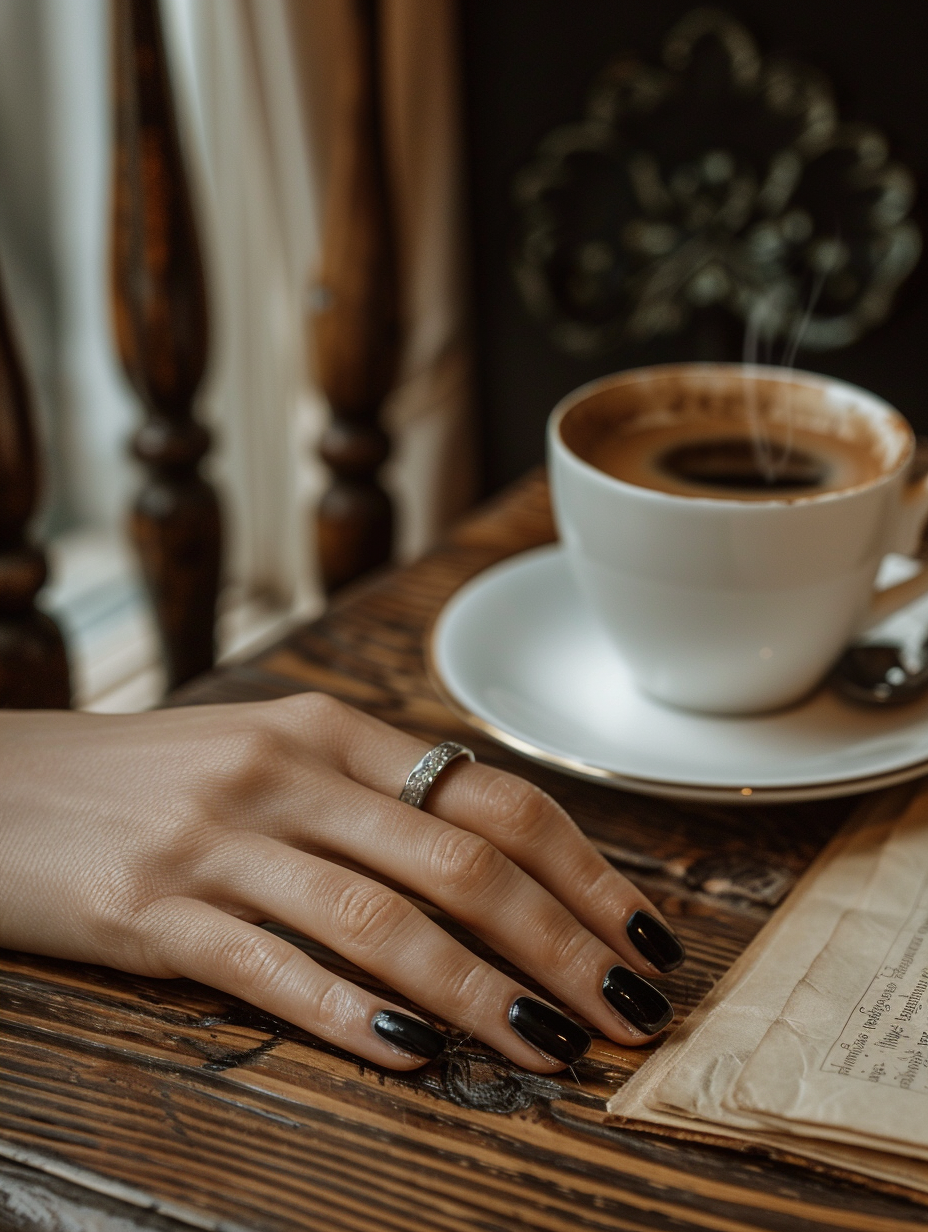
<point x="158" y="842"/>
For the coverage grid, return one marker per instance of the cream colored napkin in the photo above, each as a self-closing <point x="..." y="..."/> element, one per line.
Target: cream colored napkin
<point x="761" y="1059"/>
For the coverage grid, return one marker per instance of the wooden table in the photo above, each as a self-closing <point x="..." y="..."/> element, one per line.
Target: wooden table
<point x="133" y="1103"/>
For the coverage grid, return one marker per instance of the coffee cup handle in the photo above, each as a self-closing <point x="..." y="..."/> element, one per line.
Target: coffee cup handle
<point x="906" y="539"/>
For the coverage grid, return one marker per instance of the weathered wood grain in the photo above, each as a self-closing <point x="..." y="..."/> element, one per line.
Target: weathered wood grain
<point x="225" y="1117"/>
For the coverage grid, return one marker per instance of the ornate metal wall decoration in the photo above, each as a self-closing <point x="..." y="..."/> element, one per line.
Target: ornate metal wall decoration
<point x="718" y="178"/>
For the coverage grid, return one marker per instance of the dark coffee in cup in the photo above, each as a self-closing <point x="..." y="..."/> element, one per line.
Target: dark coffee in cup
<point x="724" y="460"/>
<point x="713" y="434"/>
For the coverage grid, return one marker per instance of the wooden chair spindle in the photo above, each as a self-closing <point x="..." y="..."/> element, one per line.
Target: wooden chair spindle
<point x="33" y="662"/>
<point x="160" y="310"/>
<point x="356" y="320"/>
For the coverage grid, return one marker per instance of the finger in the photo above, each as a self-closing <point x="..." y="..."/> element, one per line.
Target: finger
<point x="380" y="931"/>
<point x="472" y="881"/>
<point x="533" y="830"/>
<point x="516" y="817"/>
<point x="202" y="943"/>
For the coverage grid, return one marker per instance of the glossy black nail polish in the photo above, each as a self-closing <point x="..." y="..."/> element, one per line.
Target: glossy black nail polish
<point x="408" y="1034"/>
<point x="548" y="1030"/>
<point x="655" y="941"/>
<point x="636" y="1000"/>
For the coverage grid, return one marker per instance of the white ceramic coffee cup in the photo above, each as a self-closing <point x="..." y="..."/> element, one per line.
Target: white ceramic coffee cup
<point x="727" y="605"/>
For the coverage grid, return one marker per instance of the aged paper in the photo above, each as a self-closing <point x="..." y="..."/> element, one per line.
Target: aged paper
<point x="690" y="1082"/>
<point x="888" y="1045"/>
<point x="753" y="992"/>
<point x="847" y="1056"/>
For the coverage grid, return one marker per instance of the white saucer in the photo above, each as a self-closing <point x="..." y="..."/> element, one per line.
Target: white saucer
<point x="518" y="655"/>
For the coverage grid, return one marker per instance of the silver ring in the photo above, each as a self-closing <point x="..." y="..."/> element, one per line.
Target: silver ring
<point x="424" y="773"/>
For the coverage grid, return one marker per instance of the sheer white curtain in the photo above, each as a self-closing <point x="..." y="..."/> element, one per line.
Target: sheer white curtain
<point x="250" y="81"/>
<point x="236" y="87"/>
<point x="54" y="170"/>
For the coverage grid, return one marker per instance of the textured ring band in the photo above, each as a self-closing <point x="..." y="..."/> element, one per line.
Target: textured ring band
<point x="424" y="773"/>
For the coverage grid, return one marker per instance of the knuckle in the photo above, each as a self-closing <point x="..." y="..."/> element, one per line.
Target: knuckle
<point x="466" y="864"/>
<point x="565" y="946"/>
<point x="367" y="916"/>
<point x="239" y="765"/>
<point x="253" y="751"/>
<point x="332" y="1007"/>
<point x="601" y="886"/>
<point x="467" y="988"/>
<point x="323" y="722"/>
<point x="129" y="892"/>
<point x="255" y="960"/>
<point x="322" y="709"/>
<point x="522" y="810"/>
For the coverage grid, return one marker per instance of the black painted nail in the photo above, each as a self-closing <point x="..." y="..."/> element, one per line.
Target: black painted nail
<point x="655" y="941"/>
<point x="408" y="1034"/>
<point x="636" y="1000"/>
<point x="548" y="1030"/>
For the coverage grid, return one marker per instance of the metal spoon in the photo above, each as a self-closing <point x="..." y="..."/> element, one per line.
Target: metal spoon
<point x="874" y="673"/>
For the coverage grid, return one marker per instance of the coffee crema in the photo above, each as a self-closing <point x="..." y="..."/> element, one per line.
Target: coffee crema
<point x="719" y="458"/>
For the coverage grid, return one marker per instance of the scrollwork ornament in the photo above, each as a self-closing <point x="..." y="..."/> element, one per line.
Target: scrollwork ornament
<point x="719" y="178"/>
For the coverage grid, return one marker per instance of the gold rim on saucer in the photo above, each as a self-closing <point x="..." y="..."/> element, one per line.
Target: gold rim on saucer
<point x="701" y="792"/>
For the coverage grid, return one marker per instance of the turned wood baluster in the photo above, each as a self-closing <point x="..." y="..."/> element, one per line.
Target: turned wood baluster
<point x="33" y="664"/>
<point x="356" y="319"/>
<point x="159" y="304"/>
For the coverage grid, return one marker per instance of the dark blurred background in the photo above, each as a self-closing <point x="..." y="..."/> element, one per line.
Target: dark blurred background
<point x="529" y="66"/>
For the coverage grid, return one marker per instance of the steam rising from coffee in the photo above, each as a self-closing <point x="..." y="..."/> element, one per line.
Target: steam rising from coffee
<point x="774" y="459"/>
<point x="761" y="445"/>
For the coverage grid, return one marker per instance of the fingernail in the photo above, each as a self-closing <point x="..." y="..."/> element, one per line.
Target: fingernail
<point x="655" y="942"/>
<point x="408" y="1034"/>
<point x="636" y="1000"/>
<point x="548" y="1030"/>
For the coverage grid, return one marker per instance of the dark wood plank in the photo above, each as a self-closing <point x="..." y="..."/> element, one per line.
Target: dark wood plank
<point x="355" y="320"/>
<point x="159" y="306"/>
<point x="226" y="1116"/>
<point x="222" y="1114"/>
<point x="33" y="662"/>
